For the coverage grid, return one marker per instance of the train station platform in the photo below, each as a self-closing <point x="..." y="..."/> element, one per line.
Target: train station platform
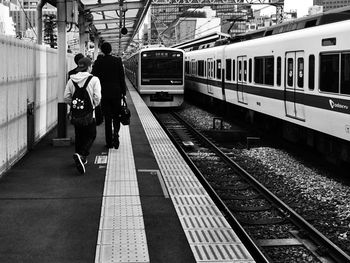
<point x="138" y="203"/>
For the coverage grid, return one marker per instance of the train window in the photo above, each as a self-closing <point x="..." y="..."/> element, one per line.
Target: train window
<point x="250" y="70"/>
<point x="213" y="69"/>
<point x="329" y="73"/>
<point x="258" y="70"/>
<point x="300" y="72"/>
<point x="264" y="70"/>
<point x="269" y="70"/>
<point x="218" y="68"/>
<point x="311" y="72"/>
<point x="290" y="68"/>
<point x="187" y="66"/>
<point x="239" y="70"/>
<point x="200" y="68"/>
<point x="279" y="71"/>
<point x="228" y="69"/>
<point x="345" y="74"/>
<point x="245" y="71"/>
<point x="193" y="67"/>
<point x="208" y="67"/>
<point x="233" y="69"/>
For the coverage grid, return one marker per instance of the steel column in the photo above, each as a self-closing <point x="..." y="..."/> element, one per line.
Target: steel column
<point x="62" y="74"/>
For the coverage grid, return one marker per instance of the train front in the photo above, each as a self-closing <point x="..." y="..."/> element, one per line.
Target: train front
<point x="161" y="82"/>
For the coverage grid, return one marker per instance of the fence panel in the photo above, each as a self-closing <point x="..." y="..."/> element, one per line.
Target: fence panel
<point x="3" y="105"/>
<point x="28" y="77"/>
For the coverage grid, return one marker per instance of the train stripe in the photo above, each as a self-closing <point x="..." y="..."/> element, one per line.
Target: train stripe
<point x="317" y="101"/>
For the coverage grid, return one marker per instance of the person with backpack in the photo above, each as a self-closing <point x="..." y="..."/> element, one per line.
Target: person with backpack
<point x="110" y="70"/>
<point x="83" y="94"/>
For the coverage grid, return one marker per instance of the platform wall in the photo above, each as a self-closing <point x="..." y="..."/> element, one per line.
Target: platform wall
<point x="28" y="96"/>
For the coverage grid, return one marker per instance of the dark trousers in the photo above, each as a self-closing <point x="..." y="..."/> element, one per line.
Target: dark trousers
<point x="111" y="110"/>
<point x="84" y="138"/>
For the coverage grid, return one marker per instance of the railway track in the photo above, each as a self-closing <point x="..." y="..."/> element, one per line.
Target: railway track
<point x="278" y="231"/>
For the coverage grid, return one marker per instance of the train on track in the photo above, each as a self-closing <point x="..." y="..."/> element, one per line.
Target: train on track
<point x="158" y="75"/>
<point x="299" y="79"/>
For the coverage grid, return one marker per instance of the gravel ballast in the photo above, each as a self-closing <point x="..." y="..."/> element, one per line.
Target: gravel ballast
<point x="314" y="193"/>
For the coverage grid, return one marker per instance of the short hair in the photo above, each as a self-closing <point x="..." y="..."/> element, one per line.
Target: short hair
<point x="106" y="48"/>
<point x="78" y="57"/>
<point x="84" y="64"/>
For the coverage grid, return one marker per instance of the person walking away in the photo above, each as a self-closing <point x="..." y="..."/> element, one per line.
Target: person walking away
<point x="77" y="57"/>
<point x="83" y="94"/>
<point x="110" y="70"/>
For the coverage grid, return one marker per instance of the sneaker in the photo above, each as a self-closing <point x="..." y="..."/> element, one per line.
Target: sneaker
<point x="84" y="160"/>
<point x="79" y="163"/>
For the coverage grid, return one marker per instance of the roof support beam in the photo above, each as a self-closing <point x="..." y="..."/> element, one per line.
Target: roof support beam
<point x="113" y="6"/>
<point x="115" y="30"/>
<point x="115" y="20"/>
<point x="115" y="36"/>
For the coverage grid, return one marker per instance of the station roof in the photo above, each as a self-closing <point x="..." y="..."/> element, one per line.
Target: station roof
<point x="107" y="23"/>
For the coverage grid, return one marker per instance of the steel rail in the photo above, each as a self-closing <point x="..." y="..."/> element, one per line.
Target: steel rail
<point x="242" y="234"/>
<point x="316" y="236"/>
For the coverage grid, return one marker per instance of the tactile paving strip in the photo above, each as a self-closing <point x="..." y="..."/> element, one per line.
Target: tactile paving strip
<point x="210" y="236"/>
<point x="122" y="236"/>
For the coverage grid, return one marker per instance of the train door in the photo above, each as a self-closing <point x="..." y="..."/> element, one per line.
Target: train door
<point x="294" y="85"/>
<point x="210" y="75"/>
<point x="241" y="79"/>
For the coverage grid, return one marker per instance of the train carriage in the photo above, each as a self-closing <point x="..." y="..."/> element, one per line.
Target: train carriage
<point x="300" y="77"/>
<point x="158" y="75"/>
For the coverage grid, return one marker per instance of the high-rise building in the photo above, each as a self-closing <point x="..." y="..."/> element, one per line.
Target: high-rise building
<point x="199" y="24"/>
<point x="25" y="16"/>
<point x="7" y="26"/>
<point x="163" y="15"/>
<point x="331" y="4"/>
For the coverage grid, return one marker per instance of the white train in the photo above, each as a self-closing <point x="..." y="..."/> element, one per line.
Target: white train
<point x="301" y="77"/>
<point x="158" y="75"/>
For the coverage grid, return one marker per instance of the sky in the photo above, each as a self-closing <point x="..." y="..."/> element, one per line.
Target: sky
<point x="300" y="5"/>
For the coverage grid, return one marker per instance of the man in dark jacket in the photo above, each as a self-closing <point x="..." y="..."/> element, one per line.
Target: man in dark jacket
<point x="109" y="69"/>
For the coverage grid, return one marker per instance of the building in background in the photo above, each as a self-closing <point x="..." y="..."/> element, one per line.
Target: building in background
<point x="164" y="15"/>
<point x="25" y="17"/>
<point x="7" y="26"/>
<point x="331" y="4"/>
<point x="192" y="24"/>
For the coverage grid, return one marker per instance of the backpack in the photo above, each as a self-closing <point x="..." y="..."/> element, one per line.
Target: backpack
<point x="81" y="106"/>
